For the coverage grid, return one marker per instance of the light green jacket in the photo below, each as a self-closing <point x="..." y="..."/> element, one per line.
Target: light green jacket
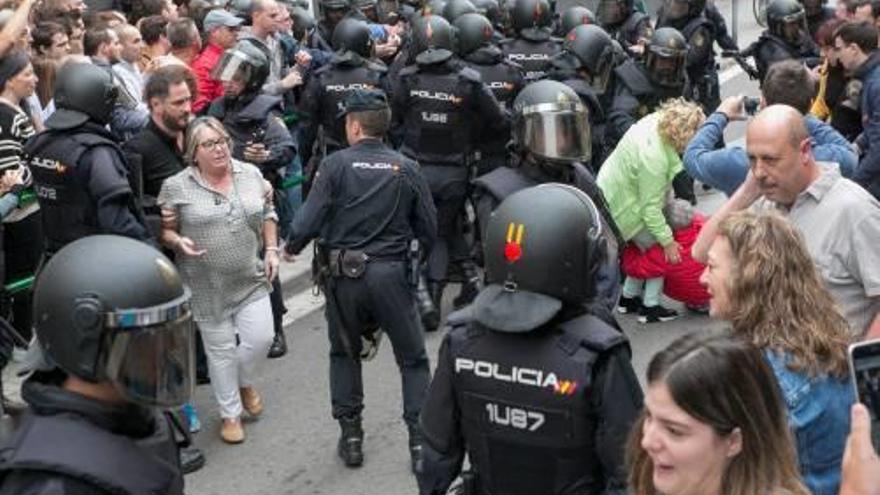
<point x="635" y="179"/>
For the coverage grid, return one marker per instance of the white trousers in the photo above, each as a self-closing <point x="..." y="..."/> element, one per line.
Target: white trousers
<point x="230" y="364"/>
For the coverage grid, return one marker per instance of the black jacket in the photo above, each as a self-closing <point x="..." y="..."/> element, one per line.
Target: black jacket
<point x="367" y="197"/>
<point x="158" y="154"/>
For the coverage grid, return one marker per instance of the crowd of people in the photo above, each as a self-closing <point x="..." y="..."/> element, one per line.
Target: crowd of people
<point x="541" y="156"/>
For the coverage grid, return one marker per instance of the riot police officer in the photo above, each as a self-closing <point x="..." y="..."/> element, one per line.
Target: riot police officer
<point x="817" y="14"/>
<point x="534" y="45"/>
<point x="539" y="392"/>
<point x="112" y="317"/>
<point x="350" y="68"/>
<point x="586" y="65"/>
<point x="551" y="142"/>
<point x="258" y="134"/>
<point x="441" y="108"/>
<point x="687" y="16"/>
<point x="625" y="24"/>
<point x="81" y="175"/>
<point x="332" y="11"/>
<point x="786" y="37"/>
<point x="457" y="8"/>
<point x="573" y="17"/>
<point x="641" y="85"/>
<point x="504" y="78"/>
<point x="368" y="204"/>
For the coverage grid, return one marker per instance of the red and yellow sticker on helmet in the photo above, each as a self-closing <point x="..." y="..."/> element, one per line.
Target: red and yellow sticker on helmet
<point x="513" y="249"/>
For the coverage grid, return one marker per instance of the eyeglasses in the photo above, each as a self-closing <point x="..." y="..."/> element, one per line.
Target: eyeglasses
<point x="212" y="144"/>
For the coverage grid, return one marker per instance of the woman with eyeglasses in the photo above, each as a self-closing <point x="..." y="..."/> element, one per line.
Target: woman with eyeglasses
<point x="218" y="215"/>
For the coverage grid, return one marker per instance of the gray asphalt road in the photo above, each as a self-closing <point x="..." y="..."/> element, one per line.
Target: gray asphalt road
<point x="291" y="449"/>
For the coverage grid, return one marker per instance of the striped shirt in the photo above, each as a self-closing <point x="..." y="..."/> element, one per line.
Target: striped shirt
<point x="15" y="129"/>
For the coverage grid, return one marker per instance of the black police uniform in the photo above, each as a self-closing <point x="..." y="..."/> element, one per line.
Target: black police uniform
<point x="323" y="98"/>
<point x="81" y="179"/>
<point x="505" y="79"/>
<point x="537" y="391"/>
<point x="700" y="65"/>
<point x="440" y="111"/>
<point x="532" y="49"/>
<point x="118" y="449"/>
<point x="367" y="203"/>
<point x="636" y="27"/>
<point x="635" y="96"/>
<point x="722" y="35"/>
<point x="540" y="434"/>
<point x="769" y="49"/>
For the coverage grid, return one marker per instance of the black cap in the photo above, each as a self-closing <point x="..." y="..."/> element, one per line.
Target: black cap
<point x="362" y="100"/>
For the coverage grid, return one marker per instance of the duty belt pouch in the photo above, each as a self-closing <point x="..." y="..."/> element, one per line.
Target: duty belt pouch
<point x="353" y="263"/>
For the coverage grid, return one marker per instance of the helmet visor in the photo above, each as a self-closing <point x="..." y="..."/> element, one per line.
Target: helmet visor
<point x="794" y="28"/>
<point x="153" y="364"/>
<point x="666" y="66"/>
<point x="675" y="9"/>
<point x="234" y="66"/>
<point x="556" y="131"/>
<point x="599" y="78"/>
<point x="610" y="12"/>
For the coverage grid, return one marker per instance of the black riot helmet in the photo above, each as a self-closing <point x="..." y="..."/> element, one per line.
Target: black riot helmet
<point x="303" y="22"/>
<point x="531" y="16"/>
<point x="680" y="10"/>
<point x="457" y="8"/>
<point x="594" y="50"/>
<point x="369" y="8"/>
<point x="491" y="9"/>
<point x="353" y="35"/>
<point x="543" y="247"/>
<point x="83" y="92"/>
<point x="787" y="19"/>
<point x="614" y="12"/>
<point x="665" y="57"/>
<point x="575" y="16"/>
<point x="244" y="63"/>
<point x="551" y="122"/>
<point x="473" y="31"/>
<point x="113" y="309"/>
<point x="433" y="39"/>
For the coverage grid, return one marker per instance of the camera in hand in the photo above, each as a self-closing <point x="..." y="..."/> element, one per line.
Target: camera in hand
<point x="750" y="105"/>
<point x="864" y="363"/>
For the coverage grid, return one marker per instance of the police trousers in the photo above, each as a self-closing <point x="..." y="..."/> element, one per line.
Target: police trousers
<point x="380" y="297"/>
<point x="449" y="188"/>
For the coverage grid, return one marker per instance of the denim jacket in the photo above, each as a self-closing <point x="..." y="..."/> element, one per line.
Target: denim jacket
<point x="726" y="168"/>
<point x="818" y="411"/>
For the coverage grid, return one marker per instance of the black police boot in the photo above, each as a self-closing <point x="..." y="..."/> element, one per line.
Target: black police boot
<point x="415" y="449"/>
<point x="427" y="309"/>
<point x="436" y="291"/>
<point x="471" y="286"/>
<point x="191" y="459"/>
<point x="351" y="441"/>
<point x="279" y="346"/>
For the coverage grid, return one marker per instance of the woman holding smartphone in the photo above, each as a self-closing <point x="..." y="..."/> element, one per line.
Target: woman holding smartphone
<point x="762" y="280"/>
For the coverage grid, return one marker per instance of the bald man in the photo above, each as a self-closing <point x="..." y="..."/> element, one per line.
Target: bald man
<point x="127" y="68"/>
<point x="839" y="219"/>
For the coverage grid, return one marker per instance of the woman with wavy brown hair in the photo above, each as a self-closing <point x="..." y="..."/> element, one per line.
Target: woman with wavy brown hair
<point x="714" y="424"/>
<point x="762" y="280"/>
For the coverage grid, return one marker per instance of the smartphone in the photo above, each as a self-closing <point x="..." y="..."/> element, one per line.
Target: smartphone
<point x="864" y="366"/>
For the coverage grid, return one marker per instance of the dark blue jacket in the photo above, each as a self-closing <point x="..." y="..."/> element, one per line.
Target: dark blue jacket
<point x="726" y="168"/>
<point x="868" y="172"/>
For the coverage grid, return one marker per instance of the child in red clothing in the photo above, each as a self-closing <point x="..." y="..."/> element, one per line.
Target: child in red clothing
<point x="680" y="281"/>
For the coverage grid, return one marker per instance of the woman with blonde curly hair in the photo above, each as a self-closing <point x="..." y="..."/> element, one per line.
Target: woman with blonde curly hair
<point x="635" y="180"/>
<point x="762" y="280"/>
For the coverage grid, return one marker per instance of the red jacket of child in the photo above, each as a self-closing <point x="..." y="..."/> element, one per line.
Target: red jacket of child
<point x="681" y="280"/>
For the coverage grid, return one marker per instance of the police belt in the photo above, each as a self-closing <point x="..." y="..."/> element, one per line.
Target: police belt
<point x="352" y="263"/>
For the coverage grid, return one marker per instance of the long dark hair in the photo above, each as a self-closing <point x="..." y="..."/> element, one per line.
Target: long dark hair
<point x="725" y="383"/>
